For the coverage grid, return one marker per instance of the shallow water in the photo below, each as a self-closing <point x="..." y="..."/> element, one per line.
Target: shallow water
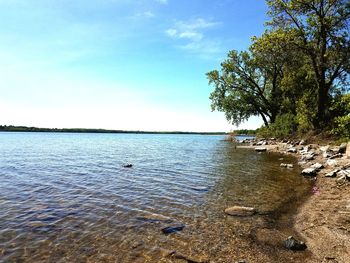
<point x="67" y="198"/>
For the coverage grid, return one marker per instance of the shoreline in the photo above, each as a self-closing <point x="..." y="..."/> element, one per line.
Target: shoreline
<point x="323" y="219"/>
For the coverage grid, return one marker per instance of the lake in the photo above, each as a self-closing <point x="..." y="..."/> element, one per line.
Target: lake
<point x="66" y="197"/>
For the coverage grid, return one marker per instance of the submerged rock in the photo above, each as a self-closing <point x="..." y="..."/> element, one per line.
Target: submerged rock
<point x="200" y="188"/>
<point x="172" y="229"/>
<point x="293" y="244"/>
<point x="240" y="211"/>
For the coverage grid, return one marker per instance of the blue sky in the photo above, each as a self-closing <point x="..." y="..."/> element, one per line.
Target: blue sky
<point x="118" y="64"/>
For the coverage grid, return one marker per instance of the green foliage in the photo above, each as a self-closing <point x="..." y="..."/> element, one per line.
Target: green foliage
<point x="284" y="126"/>
<point x="294" y="74"/>
<point x="341" y="125"/>
<point x="305" y="113"/>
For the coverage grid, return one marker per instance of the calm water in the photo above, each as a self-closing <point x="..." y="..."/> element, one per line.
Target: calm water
<point x="67" y="198"/>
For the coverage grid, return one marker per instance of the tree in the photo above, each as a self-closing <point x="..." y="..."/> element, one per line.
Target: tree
<point x="321" y="32"/>
<point x="249" y="82"/>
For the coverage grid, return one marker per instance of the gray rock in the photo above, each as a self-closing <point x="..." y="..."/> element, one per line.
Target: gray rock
<point x="324" y="148"/>
<point x="292" y="150"/>
<point x="337" y="155"/>
<point x="260" y="143"/>
<point x="326" y="154"/>
<point x="293" y="244"/>
<point x="240" y="211"/>
<point x="343" y="178"/>
<point x="308" y="157"/>
<point x="260" y="149"/>
<point x="317" y="166"/>
<point x="331" y="163"/>
<point x="332" y="173"/>
<point x="309" y="172"/>
<point x="289" y="165"/>
<point x="342" y="147"/>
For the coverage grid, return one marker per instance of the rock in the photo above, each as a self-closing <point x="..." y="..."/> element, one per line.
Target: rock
<point x="302" y="142"/>
<point x="304" y="150"/>
<point x="331" y="163"/>
<point x="343" y="178"/>
<point x="260" y="149"/>
<point x="348" y="151"/>
<point x="301" y="163"/>
<point x="151" y="217"/>
<point x="344" y="172"/>
<point x="309" y="172"/>
<point x="293" y="244"/>
<point x="324" y="148"/>
<point x="288" y="165"/>
<point x="308" y="157"/>
<point x="200" y="188"/>
<point x="172" y="229"/>
<point x="260" y="143"/>
<point x="317" y="166"/>
<point x="128" y="165"/>
<point x="291" y="150"/>
<point x="337" y="155"/>
<point x="332" y="173"/>
<point x="342" y="147"/>
<point x="326" y="154"/>
<point x="240" y="211"/>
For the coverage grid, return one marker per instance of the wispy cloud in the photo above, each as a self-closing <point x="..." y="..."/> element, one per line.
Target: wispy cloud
<point x="164" y="2"/>
<point x="193" y="33"/>
<point x="146" y="14"/>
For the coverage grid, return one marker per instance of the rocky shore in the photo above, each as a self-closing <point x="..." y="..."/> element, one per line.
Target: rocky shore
<point x="323" y="221"/>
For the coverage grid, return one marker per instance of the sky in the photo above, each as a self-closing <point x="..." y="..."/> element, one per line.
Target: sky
<point x="119" y="64"/>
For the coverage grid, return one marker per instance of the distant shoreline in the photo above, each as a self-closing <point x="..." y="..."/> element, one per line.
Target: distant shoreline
<point x="11" y="128"/>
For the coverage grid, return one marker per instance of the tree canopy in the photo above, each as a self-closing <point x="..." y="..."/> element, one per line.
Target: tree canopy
<point x="300" y="66"/>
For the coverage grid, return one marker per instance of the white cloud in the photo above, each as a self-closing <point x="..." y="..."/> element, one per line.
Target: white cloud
<point x="171" y="32"/>
<point x="194" y="32"/>
<point x="146" y="14"/>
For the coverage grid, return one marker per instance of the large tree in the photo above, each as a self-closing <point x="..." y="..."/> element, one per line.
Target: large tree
<point x="321" y="32"/>
<point x="248" y="83"/>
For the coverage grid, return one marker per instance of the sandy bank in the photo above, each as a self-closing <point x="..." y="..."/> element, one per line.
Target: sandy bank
<point x="323" y="221"/>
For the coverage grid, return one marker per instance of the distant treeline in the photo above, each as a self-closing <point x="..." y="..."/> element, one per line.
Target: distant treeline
<point x="244" y="132"/>
<point x="11" y="128"/>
